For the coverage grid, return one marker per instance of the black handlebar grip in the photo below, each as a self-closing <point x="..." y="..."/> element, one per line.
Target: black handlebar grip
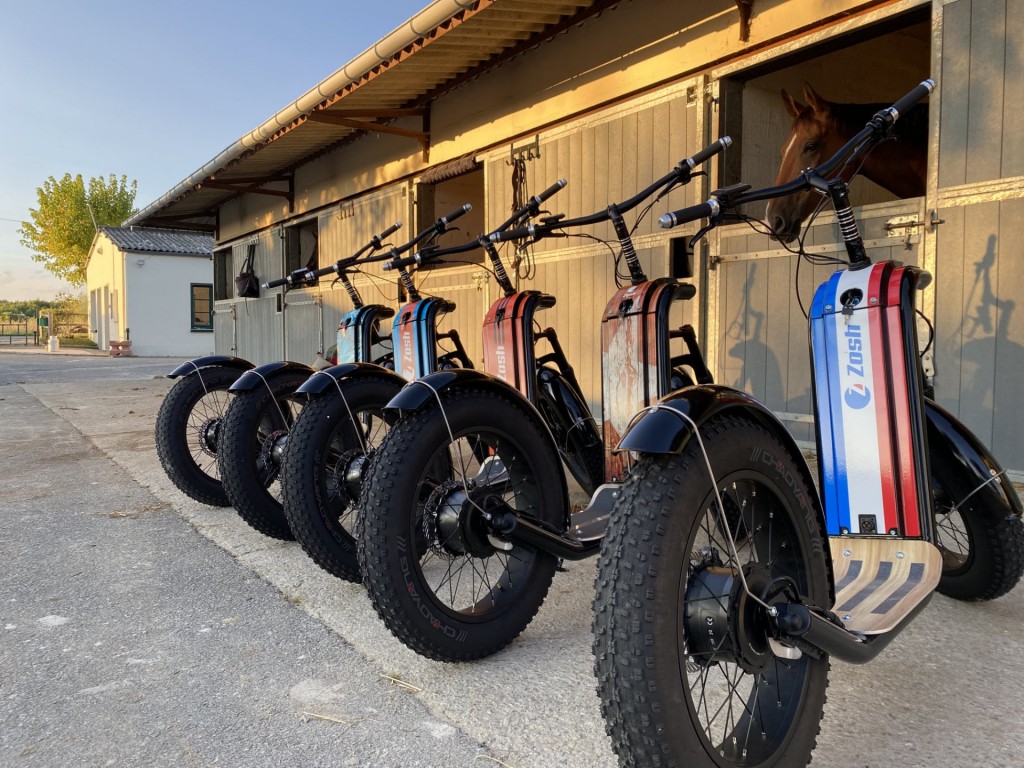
<point x="314" y="273"/>
<point x="389" y="231"/>
<point x="692" y="213"/>
<point x="919" y="92"/>
<point x="709" y="151"/>
<point x="462" y="211"/>
<point x="275" y="283"/>
<point x="538" y="199"/>
<point x="511" y="234"/>
<point x="406" y="261"/>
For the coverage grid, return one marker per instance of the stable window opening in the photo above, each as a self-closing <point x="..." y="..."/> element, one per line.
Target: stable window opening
<point x="222" y="283"/>
<point x="445" y="196"/>
<point x="301" y="246"/>
<point x="201" y="297"/>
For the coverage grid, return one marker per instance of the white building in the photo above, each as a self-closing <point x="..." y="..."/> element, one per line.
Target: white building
<point x="153" y="287"/>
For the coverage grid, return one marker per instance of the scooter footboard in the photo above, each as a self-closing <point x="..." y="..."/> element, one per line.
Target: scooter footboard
<point x="872" y="450"/>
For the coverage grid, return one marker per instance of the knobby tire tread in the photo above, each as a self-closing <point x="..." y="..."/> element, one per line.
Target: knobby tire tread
<point x="332" y="549"/>
<point x="171" y="442"/>
<point x="997" y="562"/>
<point x="623" y="608"/>
<point x="250" y="499"/>
<point x="377" y="540"/>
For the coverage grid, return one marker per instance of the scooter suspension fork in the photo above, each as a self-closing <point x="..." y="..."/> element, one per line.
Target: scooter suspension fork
<point x="636" y="272"/>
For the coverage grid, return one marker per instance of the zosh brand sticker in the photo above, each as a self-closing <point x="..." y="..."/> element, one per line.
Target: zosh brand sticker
<point x="857" y="394"/>
<point x="499" y="354"/>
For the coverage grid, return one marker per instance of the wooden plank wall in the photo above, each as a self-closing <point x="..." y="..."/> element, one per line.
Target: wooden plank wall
<point x="979" y="326"/>
<point x="257" y="324"/>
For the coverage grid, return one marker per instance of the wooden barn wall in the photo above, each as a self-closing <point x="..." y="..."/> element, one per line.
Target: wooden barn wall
<point x="632" y="47"/>
<point x="607" y="158"/>
<point x="980" y="185"/>
<point x="250" y="328"/>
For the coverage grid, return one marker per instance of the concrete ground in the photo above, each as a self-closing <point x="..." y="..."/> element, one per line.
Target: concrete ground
<point x="140" y="627"/>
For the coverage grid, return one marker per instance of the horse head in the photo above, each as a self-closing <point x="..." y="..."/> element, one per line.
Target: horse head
<point x="813" y="138"/>
<point x="820" y="128"/>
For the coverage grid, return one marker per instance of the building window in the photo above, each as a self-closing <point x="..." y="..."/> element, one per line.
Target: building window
<point x="442" y="198"/>
<point x="202" y="306"/>
<point x="222" y="272"/>
<point x="300" y="246"/>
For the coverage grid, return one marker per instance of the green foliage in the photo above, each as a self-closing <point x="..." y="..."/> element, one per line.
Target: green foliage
<point x="61" y="230"/>
<point x="28" y="308"/>
<point x="71" y="303"/>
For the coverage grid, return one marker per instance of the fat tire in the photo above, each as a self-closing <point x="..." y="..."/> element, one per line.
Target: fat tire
<point x="994" y="546"/>
<point x="173" y="429"/>
<point x="637" y="604"/>
<point x="240" y="448"/>
<point x="305" y="490"/>
<point x="389" y="553"/>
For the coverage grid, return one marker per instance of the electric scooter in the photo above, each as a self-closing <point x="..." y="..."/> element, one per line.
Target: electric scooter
<point x="336" y="435"/>
<point x="266" y="401"/>
<point x="496" y="529"/>
<point x="726" y="582"/>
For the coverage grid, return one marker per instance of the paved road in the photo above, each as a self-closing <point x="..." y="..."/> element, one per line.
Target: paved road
<point x="142" y="627"/>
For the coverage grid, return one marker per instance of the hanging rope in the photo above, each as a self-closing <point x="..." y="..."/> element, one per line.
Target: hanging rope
<point x="522" y="261"/>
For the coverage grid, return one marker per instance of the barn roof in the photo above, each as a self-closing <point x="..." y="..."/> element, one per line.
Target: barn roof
<point x="446" y="44"/>
<point x="167" y="241"/>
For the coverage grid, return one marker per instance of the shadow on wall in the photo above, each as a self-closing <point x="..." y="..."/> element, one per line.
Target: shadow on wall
<point x="986" y="349"/>
<point x="759" y="371"/>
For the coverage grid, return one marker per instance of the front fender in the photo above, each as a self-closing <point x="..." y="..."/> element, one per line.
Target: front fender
<point x="966" y="467"/>
<point x="325" y="380"/>
<point x="661" y="429"/>
<point x="224" y="361"/>
<point x="267" y="372"/>
<point x="420" y="392"/>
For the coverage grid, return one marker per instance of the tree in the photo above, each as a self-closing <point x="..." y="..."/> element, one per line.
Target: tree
<point x="62" y="227"/>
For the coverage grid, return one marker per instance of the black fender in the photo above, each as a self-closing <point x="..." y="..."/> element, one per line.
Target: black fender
<point x="223" y="361"/>
<point x="966" y="467"/>
<point x="267" y="372"/>
<point x="325" y="380"/>
<point x="416" y="394"/>
<point x="420" y="393"/>
<point x="661" y="429"/>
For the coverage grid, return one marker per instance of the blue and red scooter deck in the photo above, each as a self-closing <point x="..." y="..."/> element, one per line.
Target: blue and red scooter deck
<point x="872" y="461"/>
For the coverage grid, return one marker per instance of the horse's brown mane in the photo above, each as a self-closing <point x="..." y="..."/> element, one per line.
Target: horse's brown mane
<point x="912" y="127"/>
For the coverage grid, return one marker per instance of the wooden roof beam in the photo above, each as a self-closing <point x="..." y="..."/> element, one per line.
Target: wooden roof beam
<point x="339" y="118"/>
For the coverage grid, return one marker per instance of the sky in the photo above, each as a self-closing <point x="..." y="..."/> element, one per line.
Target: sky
<point x="152" y="91"/>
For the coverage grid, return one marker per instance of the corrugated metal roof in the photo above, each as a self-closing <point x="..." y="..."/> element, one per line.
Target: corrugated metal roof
<point x="145" y="239"/>
<point x="479" y="35"/>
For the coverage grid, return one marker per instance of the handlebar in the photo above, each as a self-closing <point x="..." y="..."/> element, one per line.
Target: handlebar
<point x="681" y="174"/>
<point x="904" y="103"/>
<point x="431" y="253"/>
<point x="428" y="254"/>
<point x="299" y="275"/>
<point x="461" y="211"/>
<point x="339" y="266"/>
<point x="378" y="240"/>
<point x="708" y="152"/>
<point x="877" y="129"/>
<point x="547" y="193"/>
